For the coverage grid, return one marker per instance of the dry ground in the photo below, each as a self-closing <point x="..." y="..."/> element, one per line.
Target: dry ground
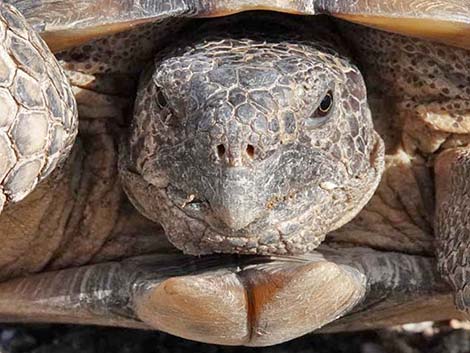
<point x="439" y="338"/>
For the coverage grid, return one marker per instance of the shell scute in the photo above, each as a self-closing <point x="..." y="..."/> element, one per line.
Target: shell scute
<point x="36" y="97"/>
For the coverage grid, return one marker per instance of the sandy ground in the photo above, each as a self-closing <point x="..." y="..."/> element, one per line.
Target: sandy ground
<point x="87" y="339"/>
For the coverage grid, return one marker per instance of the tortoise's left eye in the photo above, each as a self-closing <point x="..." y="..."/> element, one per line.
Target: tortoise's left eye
<point x="321" y="114"/>
<point x="325" y="105"/>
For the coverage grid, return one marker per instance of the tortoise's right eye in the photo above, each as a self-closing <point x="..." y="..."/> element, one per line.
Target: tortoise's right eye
<point x="161" y="100"/>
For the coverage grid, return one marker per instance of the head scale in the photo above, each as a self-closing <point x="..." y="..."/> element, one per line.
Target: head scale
<point x="252" y="146"/>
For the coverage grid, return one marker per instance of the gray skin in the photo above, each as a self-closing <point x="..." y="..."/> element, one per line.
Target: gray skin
<point x="254" y="141"/>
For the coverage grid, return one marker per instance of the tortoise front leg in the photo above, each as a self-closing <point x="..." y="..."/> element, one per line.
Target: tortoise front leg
<point x="253" y="301"/>
<point x="38" y="114"/>
<point x="227" y="300"/>
<point x="452" y="222"/>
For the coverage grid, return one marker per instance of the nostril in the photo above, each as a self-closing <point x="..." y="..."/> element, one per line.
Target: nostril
<point x="250" y="151"/>
<point x="220" y="150"/>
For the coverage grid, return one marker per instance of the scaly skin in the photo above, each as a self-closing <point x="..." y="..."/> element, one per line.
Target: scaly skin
<point x="78" y="214"/>
<point x="427" y="85"/>
<point x="38" y="121"/>
<point x="231" y="147"/>
<point x="452" y="221"/>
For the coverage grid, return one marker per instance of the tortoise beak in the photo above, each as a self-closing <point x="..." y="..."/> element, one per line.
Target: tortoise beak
<point x="238" y="200"/>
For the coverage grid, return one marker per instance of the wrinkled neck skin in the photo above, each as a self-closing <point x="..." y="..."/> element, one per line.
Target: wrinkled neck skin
<point x="254" y="141"/>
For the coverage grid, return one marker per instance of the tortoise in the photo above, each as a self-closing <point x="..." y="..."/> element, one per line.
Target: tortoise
<point x="243" y="139"/>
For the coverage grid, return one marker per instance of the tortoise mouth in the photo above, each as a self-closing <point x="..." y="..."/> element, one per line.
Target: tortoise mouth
<point x="288" y="225"/>
<point x="294" y="223"/>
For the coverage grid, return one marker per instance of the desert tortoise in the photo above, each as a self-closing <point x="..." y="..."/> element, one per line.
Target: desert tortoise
<point x="249" y="134"/>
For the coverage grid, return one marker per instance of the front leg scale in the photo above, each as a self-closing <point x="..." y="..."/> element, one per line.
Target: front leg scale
<point x="38" y="114"/>
<point x="452" y="222"/>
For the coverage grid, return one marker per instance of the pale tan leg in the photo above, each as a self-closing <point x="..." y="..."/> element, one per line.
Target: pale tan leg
<point x="255" y="304"/>
<point x="216" y="299"/>
<point x="452" y="222"/>
<point x="253" y="301"/>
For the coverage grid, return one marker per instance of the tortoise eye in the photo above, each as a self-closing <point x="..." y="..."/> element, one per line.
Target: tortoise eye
<point x="325" y="105"/>
<point x="320" y="116"/>
<point x="161" y="100"/>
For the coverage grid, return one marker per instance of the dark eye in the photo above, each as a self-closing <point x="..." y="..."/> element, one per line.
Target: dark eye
<point x="325" y="105"/>
<point x="161" y="100"/>
<point x="320" y="116"/>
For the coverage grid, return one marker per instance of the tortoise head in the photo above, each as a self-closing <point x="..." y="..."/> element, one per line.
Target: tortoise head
<point x="248" y="146"/>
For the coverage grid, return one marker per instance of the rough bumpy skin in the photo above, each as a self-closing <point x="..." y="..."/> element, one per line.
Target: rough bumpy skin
<point x="453" y="221"/>
<point x="422" y="203"/>
<point x="230" y="149"/>
<point x="38" y="115"/>
<point x="79" y="214"/>
<point x="419" y="94"/>
<point x="125" y="53"/>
